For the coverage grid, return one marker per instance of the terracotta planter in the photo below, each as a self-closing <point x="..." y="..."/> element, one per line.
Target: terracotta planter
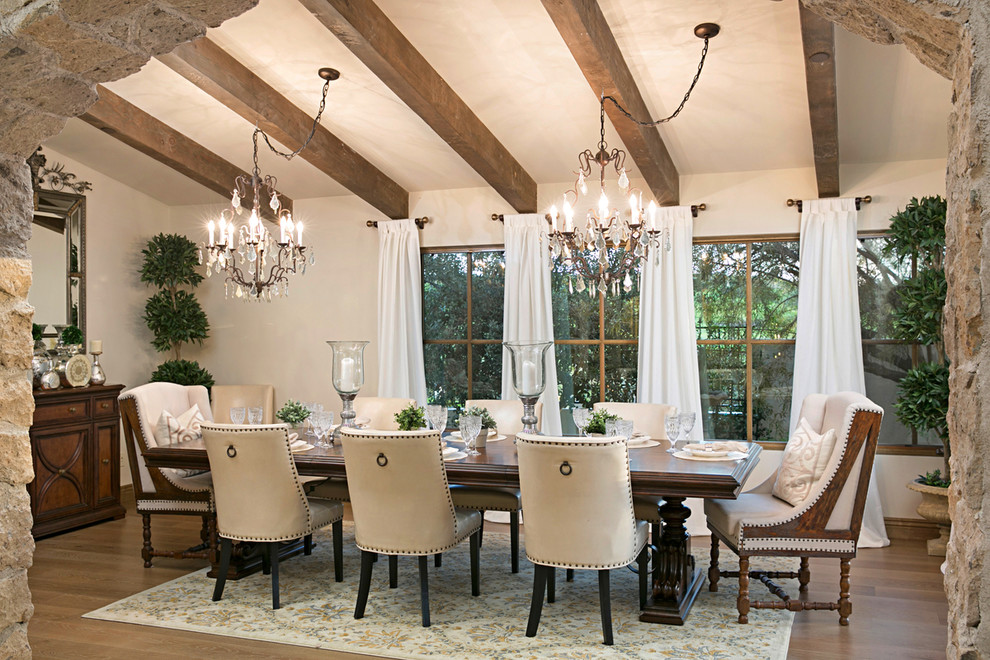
<point x="934" y="507"/>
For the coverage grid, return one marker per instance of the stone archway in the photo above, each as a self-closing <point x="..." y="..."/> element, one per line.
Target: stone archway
<point x="52" y="54"/>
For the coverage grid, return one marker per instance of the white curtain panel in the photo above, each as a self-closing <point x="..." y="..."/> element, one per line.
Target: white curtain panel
<point x="828" y="351"/>
<point x="528" y="314"/>
<point x="668" y="339"/>
<point x="668" y="349"/>
<point x="401" y="371"/>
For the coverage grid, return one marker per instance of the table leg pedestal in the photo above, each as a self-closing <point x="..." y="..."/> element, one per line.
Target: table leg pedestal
<point x="676" y="580"/>
<point x="246" y="558"/>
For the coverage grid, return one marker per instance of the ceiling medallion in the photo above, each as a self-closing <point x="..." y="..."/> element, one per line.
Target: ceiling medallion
<point x="585" y="251"/>
<point x="242" y="254"/>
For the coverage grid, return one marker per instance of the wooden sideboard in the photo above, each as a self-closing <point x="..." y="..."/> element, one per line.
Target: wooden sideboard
<point x="75" y="446"/>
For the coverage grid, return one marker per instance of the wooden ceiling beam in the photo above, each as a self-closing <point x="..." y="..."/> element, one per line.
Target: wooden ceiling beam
<point x="591" y="42"/>
<point x="375" y="40"/>
<point x="818" y="35"/>
<point x="136" y="128"/>
<point x="217" y="73"/>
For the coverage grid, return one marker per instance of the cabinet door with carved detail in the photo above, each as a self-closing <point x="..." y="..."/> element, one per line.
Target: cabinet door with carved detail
<point x="62" y="483"/>
<point x="107" y="463"/>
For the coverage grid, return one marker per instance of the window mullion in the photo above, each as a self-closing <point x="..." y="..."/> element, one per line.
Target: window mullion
<point x="470" y="357"/>
<point x="749" y="341"/>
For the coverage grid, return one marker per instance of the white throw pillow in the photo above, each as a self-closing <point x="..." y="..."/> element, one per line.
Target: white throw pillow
<point x="805" y="458"/>
<point x="187" y="426"/>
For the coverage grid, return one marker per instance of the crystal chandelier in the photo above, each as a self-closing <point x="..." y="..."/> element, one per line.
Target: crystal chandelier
<point x="585" y="251"/>
<point x="256" y="263"/>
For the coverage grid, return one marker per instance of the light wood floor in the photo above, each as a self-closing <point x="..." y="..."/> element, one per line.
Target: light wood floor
<point x="899" y="608"/>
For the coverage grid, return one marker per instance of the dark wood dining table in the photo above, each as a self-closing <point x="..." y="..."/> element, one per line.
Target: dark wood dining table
<point x="654" y="471"/>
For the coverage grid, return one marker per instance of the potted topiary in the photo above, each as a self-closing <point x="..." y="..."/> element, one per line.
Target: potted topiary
<point x="173" y="314"/>
<point x="918" y="233"/>
<point x="292" y="413"/>
<point x="411" y="418"/>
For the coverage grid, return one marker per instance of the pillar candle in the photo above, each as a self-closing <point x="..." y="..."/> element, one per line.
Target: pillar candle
<point x="96" y="346"/>
<point x="528" y="377"/>
<point x="346" y="380"/>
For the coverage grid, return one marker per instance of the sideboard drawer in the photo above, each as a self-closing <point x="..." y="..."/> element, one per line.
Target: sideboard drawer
<point x="74" y="410"/>
<point x="105" y="406"/>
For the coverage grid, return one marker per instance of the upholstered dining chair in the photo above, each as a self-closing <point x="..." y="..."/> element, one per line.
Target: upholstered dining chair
<point x="165" y="490"/>
<point x="825" y="524"/>
<point x="260" y="499"/>
<point x="402" y="505"/>
<point x="579" y="515"/>
<point x="381" y="411"/>
<point x="226" y="397"/>
<point x="506" y="413"/>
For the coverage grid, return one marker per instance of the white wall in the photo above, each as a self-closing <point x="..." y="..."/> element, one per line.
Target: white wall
<point x="283" y="343"/>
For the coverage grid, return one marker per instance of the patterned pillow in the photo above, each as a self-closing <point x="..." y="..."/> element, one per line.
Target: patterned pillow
<point x="171" y="429"/>
<point x="805" y="458"/>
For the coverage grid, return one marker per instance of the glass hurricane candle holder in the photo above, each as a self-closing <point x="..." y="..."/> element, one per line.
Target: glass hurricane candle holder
<point x="529" y="376"/>
<point x="347" y="376"/>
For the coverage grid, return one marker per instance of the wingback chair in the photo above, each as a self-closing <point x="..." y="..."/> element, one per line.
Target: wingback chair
<point x="260" y="498"/>
<point x="164" y="490"/>
<point x="402" y="505"/>
<point x="226" y="397"/>
<point x="825" y="524"/>
<point x="579" y="515"/>
<point x="381" y="411"/>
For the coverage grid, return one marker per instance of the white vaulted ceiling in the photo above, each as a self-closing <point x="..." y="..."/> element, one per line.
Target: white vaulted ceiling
<point x="509" y="64"/>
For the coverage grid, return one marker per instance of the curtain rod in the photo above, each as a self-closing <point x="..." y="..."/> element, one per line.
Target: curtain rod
<point x="800" y="202"/>
<point x="498" y="217"/>
<point x="420" y="222"/>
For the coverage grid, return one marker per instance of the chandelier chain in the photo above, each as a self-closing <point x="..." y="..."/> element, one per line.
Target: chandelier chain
<point x="312" y="132"/>
<point x="687" y="95"/>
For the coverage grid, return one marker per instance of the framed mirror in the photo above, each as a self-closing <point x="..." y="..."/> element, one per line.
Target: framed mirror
<point x="58" y="254"/>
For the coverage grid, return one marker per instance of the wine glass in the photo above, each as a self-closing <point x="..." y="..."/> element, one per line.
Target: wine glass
<point x="672" y="424"/>
<point x="255" y="414"/>
<point x="237" y="415"/>
<point x="437" y="415"/>
<point x="611" y="428"/>
<point x="687" y="424"/>
<point x="580" y="416"/>
<point x="310" y="408"/>
<point x="470" y="426"/>
<point x="624" y="427"/>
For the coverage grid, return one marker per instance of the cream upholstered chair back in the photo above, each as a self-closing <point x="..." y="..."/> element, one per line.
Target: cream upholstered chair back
<point x="577" y="496"/>
<point x="226" y="397"/>
<point x="256" y="487"/>
<point x="141" y="407"/>
<point x="399" y="492"/>
<point x="507" y="413"/>
<point x="647" y="418"/>
<point x="381" y="411"/>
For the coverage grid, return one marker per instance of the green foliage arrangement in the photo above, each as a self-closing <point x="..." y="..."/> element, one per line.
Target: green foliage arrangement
<point x="293" y="413"/>
<point x="173" y="314"/>
<point x="72" y="335"/>
<point x="486" y="419"/>
<point x="918" y="233"/>
<point x="410" y="418"/>
<point x="934" y="478"/>
<point x="596" y="423"/>
<point x="184" y="372"/>
<point x="37" y="331"/>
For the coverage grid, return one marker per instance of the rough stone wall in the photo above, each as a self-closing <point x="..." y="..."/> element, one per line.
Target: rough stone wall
<point x="52" y="54"/>
<point x="953" y="38"/>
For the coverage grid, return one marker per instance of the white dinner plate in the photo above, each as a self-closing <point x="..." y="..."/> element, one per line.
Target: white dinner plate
<point x="732" y="456"/>
<point x="303" y="447"/>
<point x="641" y="442"/>
<point x="455" y="456"/>
<point x="455" y="436"/>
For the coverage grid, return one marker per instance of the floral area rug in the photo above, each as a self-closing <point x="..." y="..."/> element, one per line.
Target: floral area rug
<point x="319" y="613"/>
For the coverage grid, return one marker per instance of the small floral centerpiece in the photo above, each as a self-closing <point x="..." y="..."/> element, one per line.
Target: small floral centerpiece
<point x="596" y="423"/>
<point x="292" y="413"/>
<point x="410" y="418"/>
<point x="487" y="423"/>
<point x="72" y="336"/>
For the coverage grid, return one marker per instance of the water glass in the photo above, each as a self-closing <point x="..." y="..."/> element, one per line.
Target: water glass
<point x="437" y="416"/>
<point x="624" y="427"/>
<point x="255" y="414"/>
<point x="581" y="416"/>
<point x="237" y="415"/>
<point x="687" y="424"/>
<point x="672" y="424"/>
<point x="470" y="427"/>
<point x="309" y="406"/>
<point x="611" y="428"/>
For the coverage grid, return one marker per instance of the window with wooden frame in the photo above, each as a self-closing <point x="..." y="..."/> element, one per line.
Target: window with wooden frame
<point x="463" y="294"/>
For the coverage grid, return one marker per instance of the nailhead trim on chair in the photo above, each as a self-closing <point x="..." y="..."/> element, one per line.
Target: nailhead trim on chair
<point x="158" y="506"/>
<point x="811" y="545"/>
<point x="800" y="510"/>
<point x="227" y="429"/>
<point x="604" y="443"/>
<point x="450" y="501"/>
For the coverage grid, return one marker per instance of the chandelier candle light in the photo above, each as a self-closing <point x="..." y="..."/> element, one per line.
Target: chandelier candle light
<point x="245" y="261"/>
<point x="585" y="251"/>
